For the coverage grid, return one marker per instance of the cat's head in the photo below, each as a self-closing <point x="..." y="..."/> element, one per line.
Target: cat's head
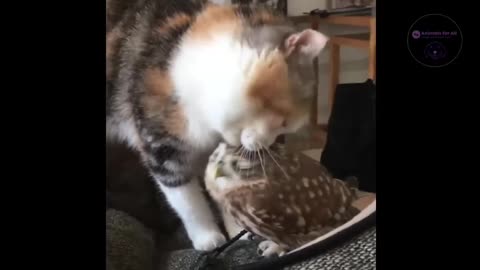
<point x="278" y="89"/>
<point x="251" y="71"/>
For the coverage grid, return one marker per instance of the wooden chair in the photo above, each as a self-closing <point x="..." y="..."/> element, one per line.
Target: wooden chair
<point x="363" y="41"/>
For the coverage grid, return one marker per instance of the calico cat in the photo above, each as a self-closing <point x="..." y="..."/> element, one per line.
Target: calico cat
<point x="183" y="75"/>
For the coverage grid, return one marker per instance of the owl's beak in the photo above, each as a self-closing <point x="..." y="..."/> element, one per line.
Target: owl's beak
<point x="219" y="172"/>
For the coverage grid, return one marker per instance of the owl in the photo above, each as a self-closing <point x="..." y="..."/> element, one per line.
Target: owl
<point x="286" y="199"/>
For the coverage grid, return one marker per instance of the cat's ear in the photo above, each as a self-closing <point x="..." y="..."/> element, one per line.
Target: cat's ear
<point x="308" y="43"/>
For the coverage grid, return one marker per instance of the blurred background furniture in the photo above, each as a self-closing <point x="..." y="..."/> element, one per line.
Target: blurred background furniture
<point x="362" y="41"/>
<point x="338" y="15"/>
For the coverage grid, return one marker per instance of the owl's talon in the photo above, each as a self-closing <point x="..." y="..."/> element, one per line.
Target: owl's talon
<point x="269" y="248"/>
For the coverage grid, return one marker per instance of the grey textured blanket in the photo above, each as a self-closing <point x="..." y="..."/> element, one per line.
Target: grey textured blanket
<point x="358" y="254"/>
<point x="131" y="246"/>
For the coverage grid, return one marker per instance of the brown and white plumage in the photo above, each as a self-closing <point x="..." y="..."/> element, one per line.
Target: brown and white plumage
<point x="287" y="199"/>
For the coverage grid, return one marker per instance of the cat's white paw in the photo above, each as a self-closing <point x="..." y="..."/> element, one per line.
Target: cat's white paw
<point x="209" y="240"/>
<point x="268" y="248"/>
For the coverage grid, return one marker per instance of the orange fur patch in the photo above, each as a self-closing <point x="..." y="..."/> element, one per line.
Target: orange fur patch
<point x="215" y="19"/>
<point x="113" y="38"/>
<point x="158" y="83"/>
<point x="174" y="22"/>
<point x="269" y="86"/>
<point x="158" y="102"/>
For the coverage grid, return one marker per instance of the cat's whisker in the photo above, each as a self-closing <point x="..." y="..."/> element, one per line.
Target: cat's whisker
<point x="261" y="160"/>
<point x="264" y="159"/>
<point x="242" y="153"/>
<point x="238" y="150"/>
<point x="252" y="160"/>
<point x="254" y="153"/>
<point x="276" y="154"/>
<point x="278" y="165"/>
<point x="249" y="153"/>
<point x="245" y="154"/>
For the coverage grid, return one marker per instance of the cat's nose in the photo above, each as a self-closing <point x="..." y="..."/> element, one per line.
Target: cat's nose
<point x="250" y="146"/>
<point x="249" y="141"/>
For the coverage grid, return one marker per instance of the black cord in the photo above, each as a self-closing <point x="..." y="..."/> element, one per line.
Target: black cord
<point x="221" y="248"/>
<point x="209" y="260"/>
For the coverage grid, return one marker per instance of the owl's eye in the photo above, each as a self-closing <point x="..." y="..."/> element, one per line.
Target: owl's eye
<point x="235" y="164"/>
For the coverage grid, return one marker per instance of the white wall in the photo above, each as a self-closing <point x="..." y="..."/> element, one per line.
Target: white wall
<point x="297" y="7"/>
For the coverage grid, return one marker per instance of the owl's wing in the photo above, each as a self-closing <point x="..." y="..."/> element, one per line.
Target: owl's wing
<point x="265" y="209"/>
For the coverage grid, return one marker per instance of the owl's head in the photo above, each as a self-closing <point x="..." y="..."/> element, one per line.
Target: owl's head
<point x="229" y="168"/>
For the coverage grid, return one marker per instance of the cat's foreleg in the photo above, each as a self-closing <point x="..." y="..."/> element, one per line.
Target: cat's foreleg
<point x="191" y="206"/>
<point x="183" y="192"/>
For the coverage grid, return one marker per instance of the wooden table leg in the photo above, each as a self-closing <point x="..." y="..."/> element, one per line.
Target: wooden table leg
<point x="314" y="21"/>
<point x="314" y="105"/>
<point x="372" y="66"/>
<point x="334" y="72"/>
